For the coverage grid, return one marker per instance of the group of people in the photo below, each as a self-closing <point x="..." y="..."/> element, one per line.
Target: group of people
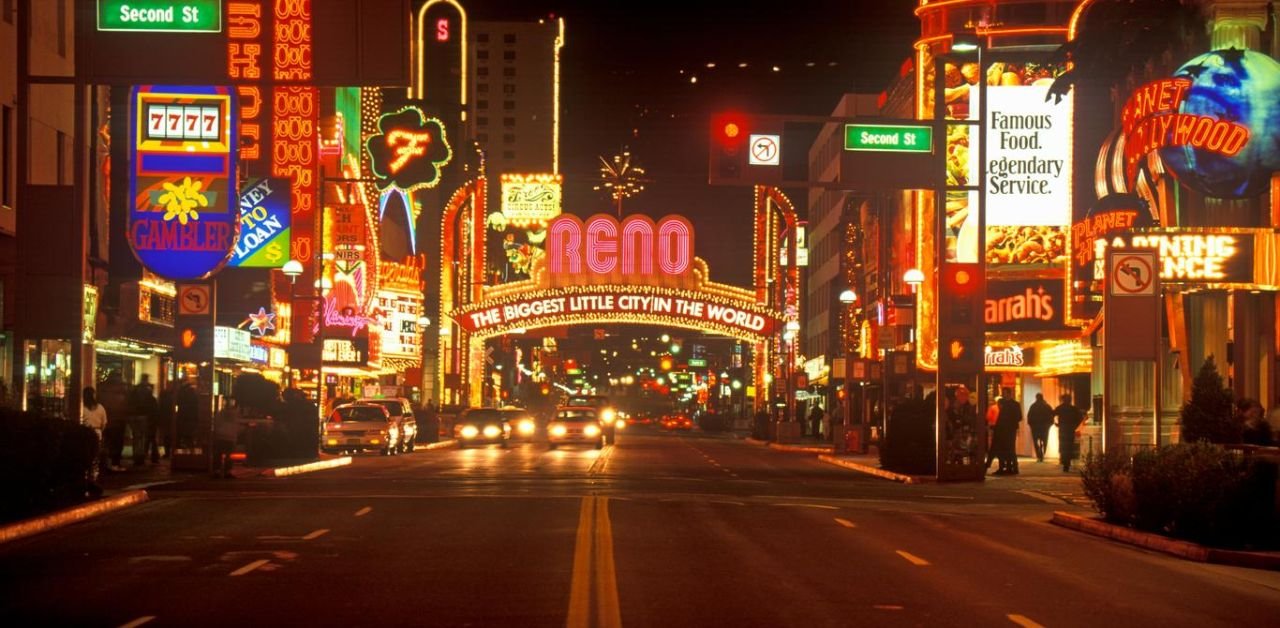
<point x="122" y="411"/>
<point x="1005" y="416"/>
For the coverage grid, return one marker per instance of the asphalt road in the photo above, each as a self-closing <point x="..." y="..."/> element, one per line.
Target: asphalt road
<point x="659" y="530"/>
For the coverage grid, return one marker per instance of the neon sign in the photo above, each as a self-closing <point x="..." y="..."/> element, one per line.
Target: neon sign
<point x="182" y="152"/>
<point x="1007" y="356"/>
<point x="344" y="318"/>
<point x="264" y="225"/>
<point x="1192" y="257"/>
<point x="1151" y="120"/>
<point x="531" y="198"/>
<point x="603" y="246"/>
<point x="408" y="150"/>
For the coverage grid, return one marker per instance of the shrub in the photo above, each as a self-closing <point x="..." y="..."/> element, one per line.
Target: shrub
<point x="1195" y="491"/>
<point x="1207" y="415"/>
<point x="44" y="460"/>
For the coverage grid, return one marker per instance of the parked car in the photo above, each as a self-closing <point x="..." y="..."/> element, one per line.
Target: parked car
<point x="524" y="425"/>
<point x="575" y="424"/>
<point x="361" y="427"/>
<point x="401" y="409"/>
<point x="482" y="426"/>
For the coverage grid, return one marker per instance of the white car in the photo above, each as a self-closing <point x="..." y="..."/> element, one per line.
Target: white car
<point x="575" y="424"/>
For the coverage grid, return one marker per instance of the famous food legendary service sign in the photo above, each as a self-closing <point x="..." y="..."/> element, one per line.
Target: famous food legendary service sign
<point x="183" y="214"/>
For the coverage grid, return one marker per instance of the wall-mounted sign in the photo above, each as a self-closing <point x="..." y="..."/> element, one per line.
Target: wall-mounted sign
<point x="90" y="326"/>
<point x="1028" y="157"/>
<point x="182" y="154"/>
<point x="232" y="344"/>
<point x="408" y="150"/>
<point x="259" y="354"/>
<point x="1214" y="123"/>
<point x="1024" y="305"/>
<point x="264" y="224"/>
<point x="888" y="138"/>
<point x="994" y="358"/>
<point x="351" y="351"/>
<point x="530" y="198"/>
<point x="630" y="250"/>
<point x="1201" y="256"/>
<point x="397" y="314"/>
<point x="1112" y="214"/>
<point x="185" y="16"/>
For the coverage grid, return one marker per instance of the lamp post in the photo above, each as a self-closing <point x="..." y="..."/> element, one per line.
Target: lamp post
<point x="791" y="333"/>
<point x="294" y="269"/>
<point x="423" y="324"/>
<point x="847" y="298"/>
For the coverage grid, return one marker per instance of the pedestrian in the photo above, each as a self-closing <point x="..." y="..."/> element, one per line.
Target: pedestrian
<point x="1008" y="418"/>
<point x="113" y="394"/>
<point x="142" y="409"/>
<point x="159" y="424"/>
<point x="815" y="421"/>
<point x="188" y="416"/>
<point x="226" y="430"/>
<point x="1067" y="418"/>
<point x="993" y="412"/>
<point x="94" y="417"/>
<point x="1040" y="419"/>
<point x="1256" y="430"/>
<point x="961" y="428"/>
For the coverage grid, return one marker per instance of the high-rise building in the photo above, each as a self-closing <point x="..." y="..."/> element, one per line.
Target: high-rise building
<point x="513" y="108"/>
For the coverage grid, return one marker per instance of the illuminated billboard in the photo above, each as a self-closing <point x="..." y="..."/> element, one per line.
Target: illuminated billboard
<point x="264" y="225"/>
<point x="183" y="218"/>
<point x="530" y="198"/>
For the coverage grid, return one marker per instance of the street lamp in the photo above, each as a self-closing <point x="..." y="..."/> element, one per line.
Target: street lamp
<point x="293" y="269"/>
<point x="914" y="277"/>
<point x="848" y="296"/>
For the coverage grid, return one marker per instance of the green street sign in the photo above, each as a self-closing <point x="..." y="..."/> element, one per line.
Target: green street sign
<point x="697" y="363"/>
<point x="891" y="138"/>
<point x="176" y="16"/>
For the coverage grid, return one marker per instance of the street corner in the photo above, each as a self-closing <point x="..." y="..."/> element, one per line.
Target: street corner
<point x="75" y="514"/>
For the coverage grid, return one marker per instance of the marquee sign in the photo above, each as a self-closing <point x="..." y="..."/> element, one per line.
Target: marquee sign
<point x="408" y="150"/>
<point x="637" y="250"/>
<point x="183" y="221"/>
<point x="264" y="225"/>
<point x="625" y="302"/>
<point x="529" y="199"/>
<point x="1202" y="256"/>
<point x="346" y="351"/>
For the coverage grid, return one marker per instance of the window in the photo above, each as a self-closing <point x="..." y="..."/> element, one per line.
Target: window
<point x="6" y="11"/>
<point x="509" y="38"/>
<point x="482" y="38"/>
<point x="508" y="104"/>
<point x="508" y="55"/>
<point x="482" y="121"/>
<point x="509" y="138"/>
<point x="508" y="154"/>
<point x="508" y="71"/>
<point x="482" y="54"/>
<point x="509" y="122"/>
<point x="482" y="104"/>
<point x="508" y="89"/>
<point x="6" y="148"/>
<point x="62" y="28"/>
<point x="482" y="71"/>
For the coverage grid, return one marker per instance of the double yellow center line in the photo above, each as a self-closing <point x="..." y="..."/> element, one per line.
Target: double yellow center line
<point x="594" y="577"/>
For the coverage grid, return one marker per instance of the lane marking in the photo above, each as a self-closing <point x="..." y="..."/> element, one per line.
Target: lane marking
<point x="1040" y="496"/>
<point x="960" y="497"/>
<point x="145" y="619"/>
<point x="846" y="523"/>
<point x="912" y="558"/>
<point x="1023" y="620"/>
<point x="887" y="607"/>
<point x="159" y="559"/>
<point x="607" y="607"/>
<point x="316" y="534"/>
<point x="250" y="567"/>
<point x="580" y="585"/>
<point x="364" y="511"/>
<point x="821" y="506"/>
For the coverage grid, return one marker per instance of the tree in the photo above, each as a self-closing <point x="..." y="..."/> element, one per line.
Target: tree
<point x="1207" y="416"/>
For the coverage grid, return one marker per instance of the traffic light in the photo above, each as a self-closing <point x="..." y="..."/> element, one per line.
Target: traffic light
<point x="666" y="363"/>
<point x="729" y="133"/>
<point x="961" y="332"/>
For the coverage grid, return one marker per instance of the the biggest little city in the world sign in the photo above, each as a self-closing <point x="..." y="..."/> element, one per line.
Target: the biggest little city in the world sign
<point x="183" y="215"/>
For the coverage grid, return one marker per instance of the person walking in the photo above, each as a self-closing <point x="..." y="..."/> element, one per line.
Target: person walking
<point x="1067" y="418"/>
<point x="1008" y="418"/>
<point x="815" y="421"/>
<point x="1040" y="419"/>
<point x="94" y="417"/>
<point x="1255" y="429"/>
<point x="142" y="407"/>
<point x="188" y="416"/>
<point x="226" y="429"/>
<point x="159" y="424"/>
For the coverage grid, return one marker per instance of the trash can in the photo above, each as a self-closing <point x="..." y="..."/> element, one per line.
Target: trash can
<point x="853" y="440"/>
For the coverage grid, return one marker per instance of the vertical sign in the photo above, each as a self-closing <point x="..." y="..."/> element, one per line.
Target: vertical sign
<point x="264" y="225"/>
<point x="182" y="156"/>
<point x="246" y="36"/>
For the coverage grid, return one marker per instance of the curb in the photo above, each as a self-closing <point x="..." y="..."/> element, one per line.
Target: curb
<point x="801" y="449"/>
<point x="438" y="445"/>
<point x="1173" y="547"/>
<point x="44" y="523"/>
<point x="753" y="441"/>
<point x="318" y="465"/>
<point x="876" y="471"/>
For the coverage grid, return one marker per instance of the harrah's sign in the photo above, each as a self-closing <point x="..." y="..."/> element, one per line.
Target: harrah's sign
<point x="1151" y="120"/>
<point x="636" y="250"/>
<point x="1024" y="305"/>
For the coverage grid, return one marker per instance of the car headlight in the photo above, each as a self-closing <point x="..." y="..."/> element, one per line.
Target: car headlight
<point x="470" y="431"/>
<point x="526" y="427"/>
<point x="491" y="431"/>
<point x="609" y="414"/>
<point x="621" y="424"/>
<point x="591" y="430"/>
<point x="558" y="430"/>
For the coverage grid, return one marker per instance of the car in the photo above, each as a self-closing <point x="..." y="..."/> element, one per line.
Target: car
<point x="575" y="424"/>
<point x="481" y="426"/>
<point x="361" y="427"/>
<point x="677" y="422"/>
<point x="524" y="425"/>
<point x="402" y="410"/>
<point x="609" y="419"/>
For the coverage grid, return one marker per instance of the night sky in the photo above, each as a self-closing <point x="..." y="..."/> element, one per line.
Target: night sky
<point x="623" y="87"/>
